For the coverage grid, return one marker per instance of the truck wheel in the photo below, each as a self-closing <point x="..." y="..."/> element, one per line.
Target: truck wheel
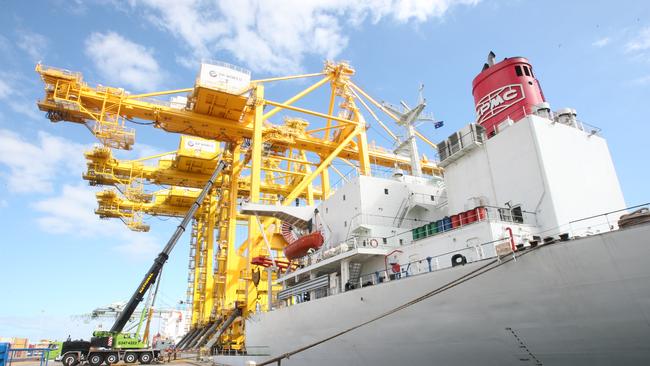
<point x="111" y="358"/>
<point x="70" y="360"/>
<point x="145" y="358"/>
<point x="95" y="359"/>
<point x="130" y="357"/>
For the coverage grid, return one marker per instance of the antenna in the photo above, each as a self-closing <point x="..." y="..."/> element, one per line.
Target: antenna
<point x="408" y="118"/>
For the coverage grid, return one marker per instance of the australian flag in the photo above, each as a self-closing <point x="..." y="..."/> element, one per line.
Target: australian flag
<point x="439" y="124"/>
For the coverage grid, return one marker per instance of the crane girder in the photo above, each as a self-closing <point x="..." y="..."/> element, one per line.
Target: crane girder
<point x="105" y="169"/>
<point x="68" y="97"/>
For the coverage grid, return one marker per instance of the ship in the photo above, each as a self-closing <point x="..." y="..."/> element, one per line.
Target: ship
<point x="522" y="253"/>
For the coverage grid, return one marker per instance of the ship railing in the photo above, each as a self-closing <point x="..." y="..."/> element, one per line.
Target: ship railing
<point x="353" y="172"/>
<point x="397" y="271"/>
<point x="383" y="220"/>
<point x="511" y="215"/>
<point x="426" y="199"/>
<point x="592" y="225"/>
<point x="519" y="114"/>
<point x="345" y="178"/>
<point x="458" y="144"/>
<point x="330" y="250"/>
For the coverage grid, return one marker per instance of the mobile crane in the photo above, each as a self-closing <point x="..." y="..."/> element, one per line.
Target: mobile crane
<point x="112" y="346"/>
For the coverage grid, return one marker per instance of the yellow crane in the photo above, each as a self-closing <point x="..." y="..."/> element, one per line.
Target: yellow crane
<point x="180" y="167"/>
<point x="290" y="158"/>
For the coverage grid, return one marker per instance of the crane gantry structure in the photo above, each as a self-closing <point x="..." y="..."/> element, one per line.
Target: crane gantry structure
<point x="184" y="170"/>
<point x="267" y="163"/>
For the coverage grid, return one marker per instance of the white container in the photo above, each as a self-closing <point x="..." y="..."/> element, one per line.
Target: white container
<point x="178" y="102"/>
<point x="223" y="76"/>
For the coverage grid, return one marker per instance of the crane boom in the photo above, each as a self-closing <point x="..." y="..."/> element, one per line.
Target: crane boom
<point x="159" y="262"/>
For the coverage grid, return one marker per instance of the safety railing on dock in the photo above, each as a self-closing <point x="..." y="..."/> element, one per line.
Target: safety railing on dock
<point x="41" y="355"/>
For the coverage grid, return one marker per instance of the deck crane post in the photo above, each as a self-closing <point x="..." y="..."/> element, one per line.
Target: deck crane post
<point x="112" y="346"/>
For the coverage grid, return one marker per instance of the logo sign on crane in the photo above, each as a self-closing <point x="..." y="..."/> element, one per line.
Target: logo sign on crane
<point x="499" y="100"/>
<point x="200" y="145"/>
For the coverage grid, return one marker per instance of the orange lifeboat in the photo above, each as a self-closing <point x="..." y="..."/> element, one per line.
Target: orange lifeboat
<point x="301" y="246"/>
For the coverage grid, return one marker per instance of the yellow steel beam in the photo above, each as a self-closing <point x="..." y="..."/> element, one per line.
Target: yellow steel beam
<point x="307" y="111"/>
<point x="255" y="177"/>
<point x="155" y="94"/>
<point x="296" y="97"/>
<point x="324" y="164"/>
<point x="104" y="169"/>
<point x="232" y="260"/>
<point x="374" y="116"/>
<point x="281" y="78"/>
<point x="323" y="129"/>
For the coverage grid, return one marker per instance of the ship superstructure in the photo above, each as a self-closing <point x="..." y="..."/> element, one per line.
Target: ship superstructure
<point x="514" y="179"/>
<point x="520" y="179"/>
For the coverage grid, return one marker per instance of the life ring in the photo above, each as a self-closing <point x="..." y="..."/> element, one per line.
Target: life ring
<point x="374" y="243"/>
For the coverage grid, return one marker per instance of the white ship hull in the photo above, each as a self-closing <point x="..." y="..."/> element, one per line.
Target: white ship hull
<point x="580" y="302"/>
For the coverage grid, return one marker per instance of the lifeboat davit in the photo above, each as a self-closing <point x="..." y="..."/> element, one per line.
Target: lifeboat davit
<point x="301" y="246"/>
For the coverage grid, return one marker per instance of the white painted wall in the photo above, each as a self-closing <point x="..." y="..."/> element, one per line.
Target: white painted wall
<point x="369" y="211"/>
<point x="557" y="171"/>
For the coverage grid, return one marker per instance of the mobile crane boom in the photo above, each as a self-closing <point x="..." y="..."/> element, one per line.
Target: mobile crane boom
<point x="152" y="274"/>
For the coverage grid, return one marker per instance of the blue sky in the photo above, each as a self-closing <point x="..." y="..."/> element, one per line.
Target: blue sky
<point x="57" y="259"/>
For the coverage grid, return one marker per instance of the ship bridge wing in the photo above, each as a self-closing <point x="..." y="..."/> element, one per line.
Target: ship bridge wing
<point x="299" y="217"/>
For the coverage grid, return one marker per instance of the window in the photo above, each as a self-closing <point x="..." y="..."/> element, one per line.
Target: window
<point x="343" y="197"/>
<point x="385" y="190"/>
<point x="517" y="215"/>
<point x="345" y="223"/>
<point x="505" y="214"/>
<point x="327" y="210"/>
<point x="512" y="214"/>
<point x="384" y="240"/>
<point x="433" y="198"/>
<point x="526" y="71"/>
<point x="518" y="70"/>
<point x="401" y="242"/>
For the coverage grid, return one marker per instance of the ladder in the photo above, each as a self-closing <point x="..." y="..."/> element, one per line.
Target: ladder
<point x="403" y="210"/>
<point x="355" y="273"/>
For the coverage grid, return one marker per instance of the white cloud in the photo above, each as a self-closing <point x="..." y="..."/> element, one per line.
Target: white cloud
<point x="140" y="150"/>
<point x="602" y="42"/>
<point x="14" y="97"/>
<point x="34" y="165"/>
<point x="5" y="89"/>
<point x="275" y="36"/>
<point x="138" y="246"/>
<point x="122" y="61"/>
<point x="640" y="43"/>
<point x="644" y="80"/>
<point x="71" y="212"/>
<point x="33" y="44"/>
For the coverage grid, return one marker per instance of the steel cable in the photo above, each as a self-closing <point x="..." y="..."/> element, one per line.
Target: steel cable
<point x="466" y="277"/>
